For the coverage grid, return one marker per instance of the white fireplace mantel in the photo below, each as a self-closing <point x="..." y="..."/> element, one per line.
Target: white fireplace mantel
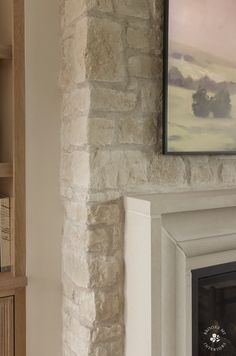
<point x="166" y="237"/>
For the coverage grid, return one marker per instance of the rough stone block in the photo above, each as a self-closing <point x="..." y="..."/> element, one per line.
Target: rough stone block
<point x="104" y="99"/>
<point x="228" y="172"/>
<point x="133" y="131"/>
<point x="99" y="240"/>
<point x="104" y="271"/>
<point x="75" y="8"/>
<point x="104" y="52"/>
<point x="76" y="266"/>
<point x="141" y="38"/>
<point x="151" y="97"/>
<point x="114" y="348"/>
<point x="118" y="168"/>
<point x="98" y="306"/>
<point x="76" y="103"/>
<point x="135" y="8"/>
<point x="166" y="171"/>
<point x="104" y="333"/>
<point x="70" y="290"/>
<point x="74" y="132"/>
<point x="75" y="167"/>
<point x="108" y="305"/>
<point x="144" y="66"/>
<point x="204" y="172"/>
<point x="104" y="214"/>
<point x="100" y="131"/>
<point x="75" y="212"/>
<point x="87" y="307"/>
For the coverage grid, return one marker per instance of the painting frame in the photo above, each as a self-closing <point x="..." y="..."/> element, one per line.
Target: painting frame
<point x="165" y="135"/>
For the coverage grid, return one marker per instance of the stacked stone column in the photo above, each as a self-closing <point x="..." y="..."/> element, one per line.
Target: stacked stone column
<point x="111" y="80"/>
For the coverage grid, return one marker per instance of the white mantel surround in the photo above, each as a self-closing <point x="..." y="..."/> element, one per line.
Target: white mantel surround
<point x="166" y="236"/>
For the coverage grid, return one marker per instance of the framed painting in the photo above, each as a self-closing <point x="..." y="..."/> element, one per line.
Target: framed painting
<point x="200" y="77"/>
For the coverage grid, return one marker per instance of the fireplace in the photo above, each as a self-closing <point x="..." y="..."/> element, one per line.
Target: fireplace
<point x="180" y="268"/>
<point x="214" y="310"/>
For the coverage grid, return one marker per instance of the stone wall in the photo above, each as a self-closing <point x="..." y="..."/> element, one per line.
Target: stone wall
<point x="111" y="80"/>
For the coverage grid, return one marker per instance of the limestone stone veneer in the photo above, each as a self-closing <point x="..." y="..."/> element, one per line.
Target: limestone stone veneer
<point x="166" y="236"/>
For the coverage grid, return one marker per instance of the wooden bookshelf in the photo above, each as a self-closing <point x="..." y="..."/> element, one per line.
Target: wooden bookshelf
<point x="5" y="52"/>
<point x="12" y="174"/>
<point x="6" y="170"/>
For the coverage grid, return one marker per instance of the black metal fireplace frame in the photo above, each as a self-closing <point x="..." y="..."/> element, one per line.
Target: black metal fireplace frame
<point x="197" y="274"/>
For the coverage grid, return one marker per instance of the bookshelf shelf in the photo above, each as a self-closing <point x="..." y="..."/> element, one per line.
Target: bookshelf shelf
<point x="5" y="52"/>
<point x="6" y="170"/>
<point x="12" y="179"/>
<point x="10" y="283"/>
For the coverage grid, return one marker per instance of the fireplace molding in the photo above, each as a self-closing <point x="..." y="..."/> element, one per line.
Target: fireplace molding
<point x="166" y="236"/>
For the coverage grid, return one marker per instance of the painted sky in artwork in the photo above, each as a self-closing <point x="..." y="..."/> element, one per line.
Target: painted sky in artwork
<point x="209" y="25"/>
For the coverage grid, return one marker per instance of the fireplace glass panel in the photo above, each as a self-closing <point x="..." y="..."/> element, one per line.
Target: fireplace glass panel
<point x="214" y="311"/>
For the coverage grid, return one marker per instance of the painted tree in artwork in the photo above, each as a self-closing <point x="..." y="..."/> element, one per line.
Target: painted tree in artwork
<point x="201" y="103"/>
<point x="221" y="104"/>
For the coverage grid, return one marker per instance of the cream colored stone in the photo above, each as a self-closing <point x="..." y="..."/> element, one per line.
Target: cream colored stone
<point x="70" y="290"/>
<point x="100" y="5"/>
<point x="74" y="211"/>
<point x="98" y="306"/>
<point x="107" y="305"/>
<point x="74" y="132"/>
<point x="101" y="131"/>
<point x="104" y="99"/>
<point x="104" y="333"/>
<point x="66" y="349"/>
<point x="144" y="66"/>
<point x="151" y="97"/>
<point x="135" y="131"/>
<point x="71" y="319"/>
<point x="76" y="103"/>
<point x="228" y="173"/>
<point x="202" y="173"/>
<point x="104" y="52"/>
<point x="141" y="38"/>
<point x="79" y="69"/>
<point x="87" y="307"/>
<point x="104" y="214"/>
<point x="76" y="266"/>
<point x="76" y="344"/>
<point x="136" y="8"/>
<point x="119" y="168"/>
<point x="104" y="271"/>
<point x="67" y="62"/>
<point x="106" y="166"/>
<point x="75" y="167"/>
<point x="99" y="240"/>
<point x="167" y="171"/>
<point x="75" y="8"/>
<point x="114" y="348"/>
<point x="135" y="169"/>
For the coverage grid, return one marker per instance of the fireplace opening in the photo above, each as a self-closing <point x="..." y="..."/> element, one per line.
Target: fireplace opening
<point x="214" y="310"/>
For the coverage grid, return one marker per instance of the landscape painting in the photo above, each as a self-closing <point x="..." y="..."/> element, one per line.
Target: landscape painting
<point x="200" y="83"/>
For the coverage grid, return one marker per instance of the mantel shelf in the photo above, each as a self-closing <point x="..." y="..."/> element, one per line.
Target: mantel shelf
<point x="9" y="282"/>
<point x="5" y="52"/>
<point x="6" y="170"/>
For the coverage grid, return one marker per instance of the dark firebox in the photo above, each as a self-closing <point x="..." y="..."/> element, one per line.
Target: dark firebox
<point x="214" y="310"/>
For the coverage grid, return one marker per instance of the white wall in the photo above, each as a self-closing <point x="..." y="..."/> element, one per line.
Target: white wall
<point x="44" y="218"/>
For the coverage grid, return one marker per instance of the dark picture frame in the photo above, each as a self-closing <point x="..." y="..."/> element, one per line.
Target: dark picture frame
<point x="184" y="136"/>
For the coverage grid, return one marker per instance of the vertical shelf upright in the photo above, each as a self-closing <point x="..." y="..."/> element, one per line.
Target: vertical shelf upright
<point x="12" y="174"/>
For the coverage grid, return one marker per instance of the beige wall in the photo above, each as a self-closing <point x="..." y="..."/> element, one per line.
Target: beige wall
<point x="43" y="205"/>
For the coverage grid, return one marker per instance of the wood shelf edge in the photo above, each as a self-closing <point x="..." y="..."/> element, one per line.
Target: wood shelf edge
<point x="6" y="170"/>
<point x="11" y="283"/>
<point x="5" y="52"/>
